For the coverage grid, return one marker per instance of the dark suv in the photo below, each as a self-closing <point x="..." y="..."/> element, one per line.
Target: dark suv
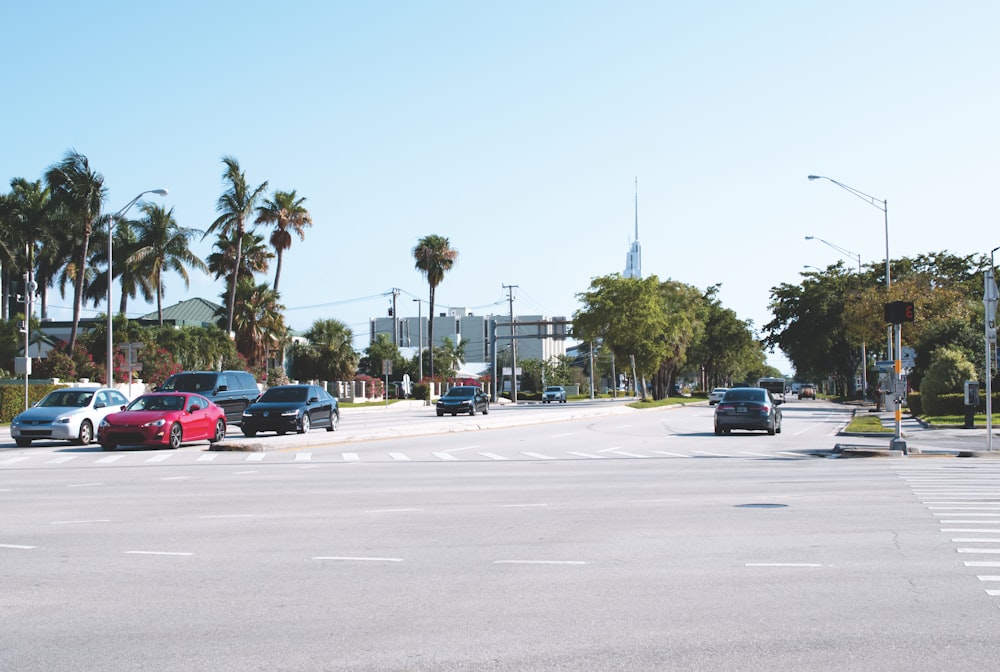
<point x="232" y="390"/>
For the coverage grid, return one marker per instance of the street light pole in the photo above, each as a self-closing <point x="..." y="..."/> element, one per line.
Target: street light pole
<point x="990" y="298"/>
<point x="864" y="350"/>
<point x="111" y="276"/>
<point x="420" y="341"/>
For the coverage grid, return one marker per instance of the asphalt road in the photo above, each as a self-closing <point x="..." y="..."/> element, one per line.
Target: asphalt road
<point x="616" y="541"/>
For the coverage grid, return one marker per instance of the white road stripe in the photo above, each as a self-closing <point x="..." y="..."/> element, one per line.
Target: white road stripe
<point x="539" y="562"/>
<point x="255" y="457"/>
<point x="17" y="547"/>
<point x="348" y="558"/>
<point x="587" y="455"/>
<point x="303" y="457"/>
<point x="979" y="550"/>
<point x="351" y="457"/>
<point x="401" y="457"/>
<point x="444" y="456"/>
<point x="62" y="459"/>
<point x="669" y="454"/>
<point x="537" y="456"/>
<point x="975" y="540"/>
<point x="991" y="577"/>
<point x="207" y="457"/>
<point x="80" y="522"/>
<point x="626" y="454"/>
<point x="84" y="485"/>
<point x="976" y="530"/>
<point x="108" y="459"/>
<point x="783" y="564"/>
<point x="171" y="553"/>
<point x="981" y="564"/>
<point x="12" y="460"/>
<point x="993" y="593"/>
<point x="162" y="457"/>
<point x="494" y="456"/>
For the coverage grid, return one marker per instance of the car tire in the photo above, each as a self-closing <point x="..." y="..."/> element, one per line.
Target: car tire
<point x="176" y="436"/>
<point x="86" y="434"/>
<point x="249" y="433"/>
<point x="771" y="430"/>
<point x="486" y="410"/>
<point x="334" y="422"/>
<point x="108" y="446"/>
<point x="472" y="409"/>
<point x="22" y="443"/>
<point x="718" y="431"/>
<point x="440" y="414"/>
<point x="304" y="425"/>
<point x="220" y="431"/>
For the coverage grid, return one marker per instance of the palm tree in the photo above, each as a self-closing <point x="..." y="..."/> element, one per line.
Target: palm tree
<point x="254" y="259"/>
<point x="288" y="216"/>
<point x="235" y="206"/>
<point x="134" y="282"/>
<point x="258" y="321"/>
<point x="161" y="244"/>
<point x="435" y="257"/>
<point x="26" y="214"/>
<point x="78" y="192"/>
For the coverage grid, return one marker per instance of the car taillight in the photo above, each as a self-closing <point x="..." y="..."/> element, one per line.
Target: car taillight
<point x="725" y="407"/>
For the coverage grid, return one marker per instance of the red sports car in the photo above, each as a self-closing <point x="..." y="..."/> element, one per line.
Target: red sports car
<point x="163" y="419"/>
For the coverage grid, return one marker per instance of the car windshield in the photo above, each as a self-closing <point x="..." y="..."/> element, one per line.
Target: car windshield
<point x="746" y="394"/>
<point x="67" y="399"/>
<point x="280" y="394"/>
<point x="192" y="382"/>
<point x="553" y="389"/>
<point x="459" y="392"/>
<point x="168" y="402"/>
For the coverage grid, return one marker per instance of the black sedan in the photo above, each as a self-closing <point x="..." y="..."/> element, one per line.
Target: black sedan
<point x="747" y="408"/>
<point x="291" y="408"/>
<point x="463" y="399"/>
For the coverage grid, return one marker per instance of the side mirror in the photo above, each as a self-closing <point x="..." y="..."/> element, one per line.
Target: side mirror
<point x="312" y="400"/>
<point x="100" y="404"/>
<point x="222" y="388"/>
<point x="194" y="407"/>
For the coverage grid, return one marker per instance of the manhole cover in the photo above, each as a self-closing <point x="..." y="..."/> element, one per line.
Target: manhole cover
<point x="761" y="506"/>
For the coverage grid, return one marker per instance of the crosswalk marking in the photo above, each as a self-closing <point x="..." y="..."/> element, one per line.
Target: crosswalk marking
<point x="256" y="457"/>
<point x="207" y="457"/>
<point x="400" y="457"/>
<point x="62" y="458"/>
<point x="444" y="456"/>
<point x="494" y="456"/>
<point x="537" y="456"/>
<point x="351" y="457"/>
<point x="162" y="457"/>
<point x="108" y="459"/>
<point x="303" y="457"/>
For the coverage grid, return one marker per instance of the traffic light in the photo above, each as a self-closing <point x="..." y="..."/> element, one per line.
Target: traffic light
<point x="898" y="312"/>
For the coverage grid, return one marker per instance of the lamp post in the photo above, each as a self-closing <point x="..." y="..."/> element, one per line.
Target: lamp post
<point x="864" y="351"/>
<point x="990" y="298"/>
<point x="420" y="341"/>
<point x="111" y="225"/>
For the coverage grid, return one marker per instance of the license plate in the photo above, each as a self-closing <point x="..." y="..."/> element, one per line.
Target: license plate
<point x="741" y="409"/>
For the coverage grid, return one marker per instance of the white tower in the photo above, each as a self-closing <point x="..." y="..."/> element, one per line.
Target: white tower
<point x="633" y="260"/>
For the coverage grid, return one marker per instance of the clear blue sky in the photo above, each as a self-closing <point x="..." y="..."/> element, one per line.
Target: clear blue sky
<point x="516" y="129"/>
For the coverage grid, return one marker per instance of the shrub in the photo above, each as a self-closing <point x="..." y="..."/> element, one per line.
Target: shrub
<point x="915" y="403"/>
<point x="947" y="371"/>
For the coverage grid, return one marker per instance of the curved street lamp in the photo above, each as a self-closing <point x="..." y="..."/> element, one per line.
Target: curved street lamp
<point x="111" y="224"/>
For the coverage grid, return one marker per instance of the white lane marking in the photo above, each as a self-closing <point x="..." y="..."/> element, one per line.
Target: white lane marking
<point x="990" y="577"/>
<point x="109" y="459"/>
<point x="494" y="456"/>
<point x="669" y="454"/>
<point x="84" y="485"/>
<point x="162" y="457"/>
<point x="61" y="459"/>
<point x="243" y="473"/>
<point x="12" y="460"/>
<point x="303" y="457"/>
<point x="520" y="506"/>
<point x="789" y="453"/>
<point x="985" y="515"/>
<point x="979" y="550"/>
<point x="176" y="478"/>
<point x="988" y="530"/>
<point x="348" y="558"/>
<point x="967" y="508"/>
<point x="170" y="553"/>
<point x="391" y="510"/>
<point x="587" y="455"/>
<point x="783" y="564"/>
<point x="255" y="457"/>
<point x="229" y="515"/>
<point x="400" y="457"/>
<point x="993" y="593"/>
<point x="207" y="457"/>
<point x="80" y="522"/>
<point x="537" y="456"/>
<point x="975" y="540"/>
<point x="351" y="457"/>
<point x="17" y="547"/>
<point x="608" y="450"/>
<point x="981" y="564"/>
<point x="703" y="452"/>
<point x="627" y="454"/>
<point x="746" y="452"/>
<point x="559" y="436"/>
<point x="444" y="456"/>
<point x="455" y="450"/>
<point x="539" y="562"/>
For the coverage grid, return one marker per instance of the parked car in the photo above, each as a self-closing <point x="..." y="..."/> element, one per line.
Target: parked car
<point x="70" y="414"/>
<point x="748" y="408"/>
<point x="233" y="391"/>
<point x="463" y="399"/>
<point x="554" y="393"/>
<point x="291" y="408"/>
<point x="163" y="419"/>
<point x="715" y="396"/>
<point x="807" y="391"/>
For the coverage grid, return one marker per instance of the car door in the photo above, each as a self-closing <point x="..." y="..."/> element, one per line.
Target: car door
<point x="197" y="421"/>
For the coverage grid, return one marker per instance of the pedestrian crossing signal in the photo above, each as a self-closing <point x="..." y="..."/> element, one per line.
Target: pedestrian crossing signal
<point x="898" y="312"/>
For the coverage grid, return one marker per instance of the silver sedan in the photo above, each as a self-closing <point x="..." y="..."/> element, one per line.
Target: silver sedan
<point x="69" y="414"/>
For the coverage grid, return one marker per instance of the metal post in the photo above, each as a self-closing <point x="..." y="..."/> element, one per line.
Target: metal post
<point x="897" y="442"/>
<point x="990" y="297"/>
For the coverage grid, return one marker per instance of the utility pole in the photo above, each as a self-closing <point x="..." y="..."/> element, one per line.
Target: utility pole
<point x="513" y="343"/>
<point x="395" y="318"/>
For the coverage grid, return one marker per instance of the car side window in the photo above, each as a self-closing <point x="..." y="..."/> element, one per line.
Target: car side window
<point x="102" y="399"/>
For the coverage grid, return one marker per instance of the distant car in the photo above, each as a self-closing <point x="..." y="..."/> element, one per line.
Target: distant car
<point x="554" y="393"/>
<point x="715" y="396"/>
<point x="463" y="399"/>
<point x="748" y="408"/>
<point x="291" y="408"/>
<point x="807" y="391"/>
<point x="70" y="414"/>
<point x="163" y="419"/>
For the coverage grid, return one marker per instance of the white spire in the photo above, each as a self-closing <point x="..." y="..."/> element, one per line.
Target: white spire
<point x="633" y="260"/>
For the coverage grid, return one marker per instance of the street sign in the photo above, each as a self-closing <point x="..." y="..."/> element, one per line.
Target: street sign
<point x="885" y="365"/>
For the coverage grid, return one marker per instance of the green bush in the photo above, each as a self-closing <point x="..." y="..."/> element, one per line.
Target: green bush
<point x="947" y="371"/>
<point x="914" y="403"/>
<point x="421" y="391"/>
<point x="12" y="398"/>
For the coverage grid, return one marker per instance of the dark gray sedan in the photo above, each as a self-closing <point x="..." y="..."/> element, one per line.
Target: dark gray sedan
<point x="291" y="408"/>
<point x="751" y="408"/>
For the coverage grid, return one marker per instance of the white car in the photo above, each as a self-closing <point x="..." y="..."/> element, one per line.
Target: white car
<point x="70" y="414"/>
<point x="715" y="396"/>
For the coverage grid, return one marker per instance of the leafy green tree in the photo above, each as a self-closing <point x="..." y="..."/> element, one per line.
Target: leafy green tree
<point x="948" y="370"/>
<point x="78" y="192"/>
<point x="954" y="333"/>
<point x="254" y="258"/>
<point x="434" y="257"/>
<point x="235" y="206"/>
<point x="258" y="322"/>
<point x="727" y="349"/>
<point x="328" y="353"/>
<point x="287" y="214"/>
<point x="162" y="244"/>
<point x="381" y="349"/>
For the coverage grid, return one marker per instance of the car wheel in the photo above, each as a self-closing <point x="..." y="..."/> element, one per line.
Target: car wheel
<point x="472" y="409"/>
<point x="726" y="431"/>
<point x="86" y="434"/>
<point x="176" y="436"/>
<point x="334" y="422"/>
<point x="108" y="446"/>
<point x="771" y="430"/>
<point x="440" y="414"/>
<point x="777" y="427"/>
<point x="22" y="443"/>
<point x="249" y="433"/>
<point x="486" y="409"/>
<point x="304" y="428"/>
<point x="718" y="431"/>
<point x="220" y="431"/>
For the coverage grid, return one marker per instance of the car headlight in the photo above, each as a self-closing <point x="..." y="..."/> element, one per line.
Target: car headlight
<point x="104" y="423"/>
<point x="290" y="414"/>
<point x="16" y="420"/>
<point x="156" y="423"/>
<point x="64" y="420"/>
<point x="247" y="413"/>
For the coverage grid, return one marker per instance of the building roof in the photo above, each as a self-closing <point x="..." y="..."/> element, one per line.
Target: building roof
<point x="191" y="313"/>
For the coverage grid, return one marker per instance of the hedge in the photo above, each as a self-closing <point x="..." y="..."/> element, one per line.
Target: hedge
<point x="12" y="398"/>
<point x="951" y="404"/>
